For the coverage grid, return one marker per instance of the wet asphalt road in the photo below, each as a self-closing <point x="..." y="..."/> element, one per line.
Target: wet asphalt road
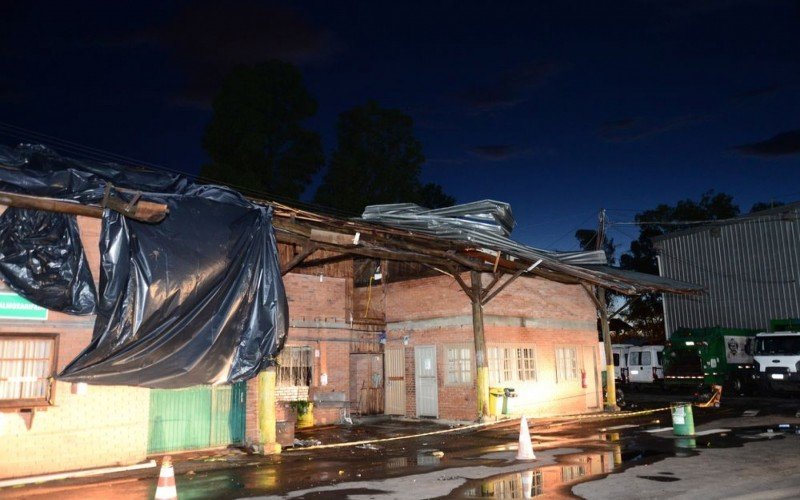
<point x="572" y="457"/>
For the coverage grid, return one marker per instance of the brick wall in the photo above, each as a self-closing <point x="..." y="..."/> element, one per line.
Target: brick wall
<point x="530" y="312"/>
<point x="106" y="426"/>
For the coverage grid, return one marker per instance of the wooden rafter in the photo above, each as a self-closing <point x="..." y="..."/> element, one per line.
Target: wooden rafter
<point x="300" y="257"/>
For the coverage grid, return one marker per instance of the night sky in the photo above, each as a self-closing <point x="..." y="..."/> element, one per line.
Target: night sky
<point x="559" y="108"/>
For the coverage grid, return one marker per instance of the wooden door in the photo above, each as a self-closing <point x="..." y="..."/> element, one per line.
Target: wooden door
<point x="395" y="381"/>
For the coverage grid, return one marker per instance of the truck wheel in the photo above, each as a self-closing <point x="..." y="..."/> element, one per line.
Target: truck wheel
<point x="735" y="385"/>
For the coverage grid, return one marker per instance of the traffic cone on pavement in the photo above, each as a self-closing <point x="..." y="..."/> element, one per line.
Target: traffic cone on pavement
<point x="166" y="489"/>
<point x="525" y="451"/>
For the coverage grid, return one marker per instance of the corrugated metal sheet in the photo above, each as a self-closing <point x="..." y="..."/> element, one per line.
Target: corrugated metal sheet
<point x="750" y="268"/>
<point x="196" y="417"/>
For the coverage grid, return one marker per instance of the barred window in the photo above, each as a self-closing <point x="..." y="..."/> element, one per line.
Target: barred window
<point x="566" y="364"/>
<point x="459" y="365"/>
<point x="27" y="363"/>
<point x="294" y="366"/>
<point x="512" y="364"/>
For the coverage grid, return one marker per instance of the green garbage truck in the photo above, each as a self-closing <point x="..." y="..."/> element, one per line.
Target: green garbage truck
<point x="702" y="357"/>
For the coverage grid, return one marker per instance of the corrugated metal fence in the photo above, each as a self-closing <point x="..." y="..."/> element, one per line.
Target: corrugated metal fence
<point x="750" y="267"/>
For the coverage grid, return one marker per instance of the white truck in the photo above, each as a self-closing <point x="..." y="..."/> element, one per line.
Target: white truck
<point x="777" y="360"/>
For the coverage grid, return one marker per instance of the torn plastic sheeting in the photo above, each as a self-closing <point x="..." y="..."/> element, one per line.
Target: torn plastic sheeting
<point x="195" y="299"/>
<point x="47" y="245"/>
<point x="42" y="259"/>
<point x="40" y="171"/>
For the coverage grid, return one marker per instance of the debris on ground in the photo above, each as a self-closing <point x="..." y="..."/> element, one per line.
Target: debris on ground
<point x="750" y="413"/>
<point x="304" y="443"/>
<point x="369" y="446"/>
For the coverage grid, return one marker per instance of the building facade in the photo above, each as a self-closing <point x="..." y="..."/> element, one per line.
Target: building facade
<point x="400" y="348"/>
<point x="750" y="267"/>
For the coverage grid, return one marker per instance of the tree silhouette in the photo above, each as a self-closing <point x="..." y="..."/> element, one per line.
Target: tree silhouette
<point x="256" y="139"/>
<point x="377" y="160"/>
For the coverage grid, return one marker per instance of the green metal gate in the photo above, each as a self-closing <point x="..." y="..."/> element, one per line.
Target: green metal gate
<point x="197" y="417"/>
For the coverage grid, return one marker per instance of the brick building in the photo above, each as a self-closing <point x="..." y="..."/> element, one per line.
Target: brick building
<point x="401" y="342"/>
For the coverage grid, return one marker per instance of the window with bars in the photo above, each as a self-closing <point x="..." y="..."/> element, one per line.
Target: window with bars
<point x="512" y="364"/>
<point x="566" y="364"/>
<point x="459" y="365"/>
<point x="27" y="363"/>
<point x="294" y="367"/>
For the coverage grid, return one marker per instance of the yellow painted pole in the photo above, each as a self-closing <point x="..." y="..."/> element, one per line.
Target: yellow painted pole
<point x="611" y="384"/>
<point x="267" y="420"/>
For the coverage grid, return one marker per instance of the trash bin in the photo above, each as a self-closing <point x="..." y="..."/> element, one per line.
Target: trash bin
<point x="508" y="392"/>
<point x="495" y="401"/>
<point x="682" y="419"/>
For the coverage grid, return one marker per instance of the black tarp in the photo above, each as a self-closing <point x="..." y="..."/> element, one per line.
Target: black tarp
<point x="195" y="299"/>
<point x="41" y="258"/>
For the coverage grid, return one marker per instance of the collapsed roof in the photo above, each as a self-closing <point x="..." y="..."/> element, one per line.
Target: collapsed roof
<point x="472" y="236"/>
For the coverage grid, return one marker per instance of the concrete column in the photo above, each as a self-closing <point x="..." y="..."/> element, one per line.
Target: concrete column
<point x="267" y="419"/>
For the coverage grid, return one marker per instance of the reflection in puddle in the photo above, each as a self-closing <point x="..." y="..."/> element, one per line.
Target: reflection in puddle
<point x="423" y="457"/>
<point x="546" y="479"/>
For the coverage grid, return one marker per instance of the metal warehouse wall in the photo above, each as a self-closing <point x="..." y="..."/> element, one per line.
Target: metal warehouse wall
<point x="750" y="268"/>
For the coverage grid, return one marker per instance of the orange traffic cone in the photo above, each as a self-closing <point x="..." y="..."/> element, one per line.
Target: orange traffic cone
<point x="525" y="451"/>
<point x="166" y="489"/>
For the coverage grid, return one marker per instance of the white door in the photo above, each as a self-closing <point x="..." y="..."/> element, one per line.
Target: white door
<point x="395" y="381"/>
<point x="426" y="384"/>
<point x="640" y="363"/>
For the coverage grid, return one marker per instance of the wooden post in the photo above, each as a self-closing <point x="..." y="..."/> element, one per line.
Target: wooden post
<point x="611" y="384"/>
<point x="267" y="419"/>
<point x="481" y="361"/>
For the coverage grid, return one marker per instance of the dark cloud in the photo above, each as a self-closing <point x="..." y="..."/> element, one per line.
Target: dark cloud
<point x="512" y="87"/>
<point x="495" y="152"/>
<point x="783" y="144"/>
<point x="210" y="38"/>
<point x="632" y="129"/>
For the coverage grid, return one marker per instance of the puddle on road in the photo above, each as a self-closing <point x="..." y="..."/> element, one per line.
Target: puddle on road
<point x="620" y="453"/>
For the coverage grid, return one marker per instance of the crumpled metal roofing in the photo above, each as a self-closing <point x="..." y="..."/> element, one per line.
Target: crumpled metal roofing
<point x="488" y="224"/>
<point x="485" y="223"/>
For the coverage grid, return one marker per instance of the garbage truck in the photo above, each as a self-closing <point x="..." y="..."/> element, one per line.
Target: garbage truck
<point x="698" y="358"/>
<point x="777" y="357"/>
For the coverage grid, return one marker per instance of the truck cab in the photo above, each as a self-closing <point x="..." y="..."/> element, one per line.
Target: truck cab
<point x="777" y="360"/>
<point x="646" y="364"/>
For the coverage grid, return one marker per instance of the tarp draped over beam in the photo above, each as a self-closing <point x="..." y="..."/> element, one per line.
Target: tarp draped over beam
<point x="195" y="299"/>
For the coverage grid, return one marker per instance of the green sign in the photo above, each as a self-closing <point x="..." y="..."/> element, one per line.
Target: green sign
<point x="12" y="306"/>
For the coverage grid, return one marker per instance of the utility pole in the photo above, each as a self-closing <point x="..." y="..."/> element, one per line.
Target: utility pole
<point x="611" y="386"/>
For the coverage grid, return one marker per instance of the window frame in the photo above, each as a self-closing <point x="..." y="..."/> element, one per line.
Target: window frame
<point x="281" y="367"/>
<point x="504" y="369"/>
<point x="570" y="372"/>
<point x="459" y="370"/>
<point x="50" y="387"/>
